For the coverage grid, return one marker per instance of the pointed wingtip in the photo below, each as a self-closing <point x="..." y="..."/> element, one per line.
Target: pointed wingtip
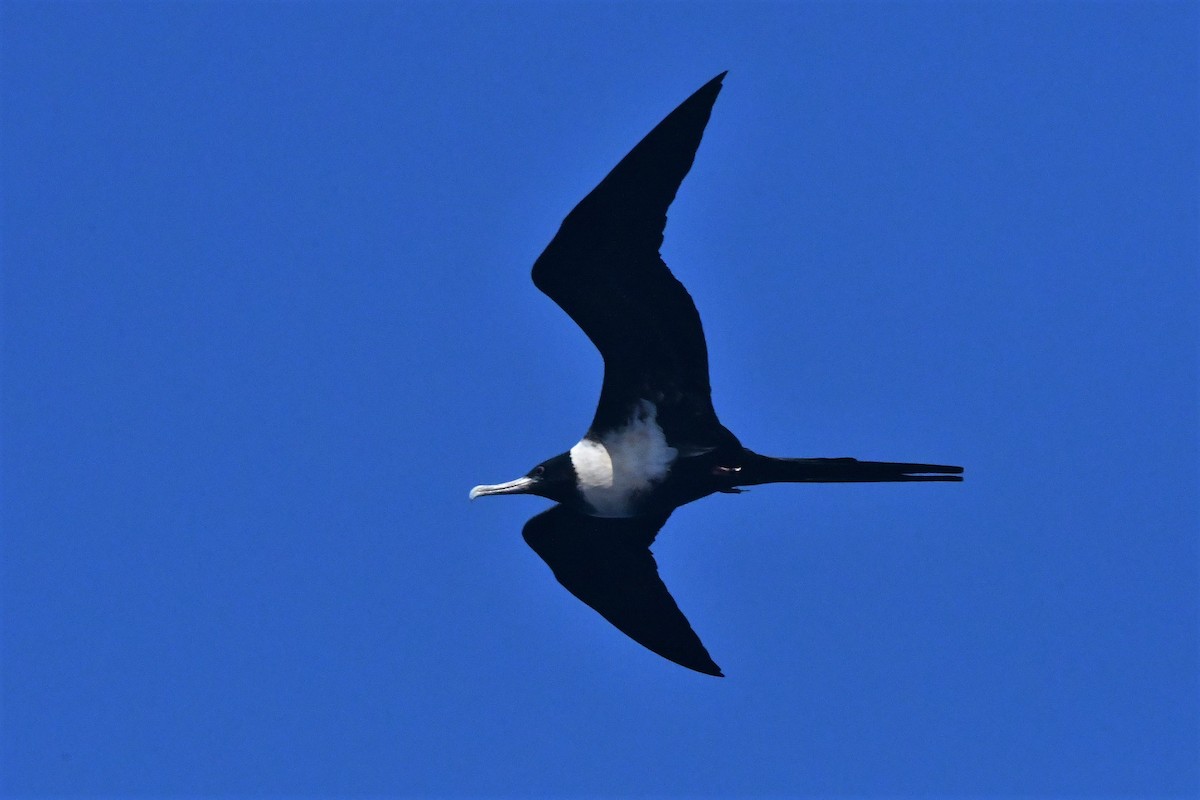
<point x="709" y="90"/>
<point x="705" y="665"/>
<point x="715" y="83"/>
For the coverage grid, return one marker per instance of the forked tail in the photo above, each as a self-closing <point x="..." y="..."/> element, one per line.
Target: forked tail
<point x="759" y="469"/>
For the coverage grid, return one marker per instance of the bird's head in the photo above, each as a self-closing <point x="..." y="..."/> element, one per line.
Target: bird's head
<point x="553" y="479"/>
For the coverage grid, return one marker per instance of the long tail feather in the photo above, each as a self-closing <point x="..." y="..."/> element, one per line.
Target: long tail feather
<point x="766" y="469"/>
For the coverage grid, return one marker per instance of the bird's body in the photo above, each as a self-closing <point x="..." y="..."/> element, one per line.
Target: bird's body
<point x="655" y="442"/>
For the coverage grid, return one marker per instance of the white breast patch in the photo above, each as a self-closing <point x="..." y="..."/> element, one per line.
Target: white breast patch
<point x="627" y="461"/>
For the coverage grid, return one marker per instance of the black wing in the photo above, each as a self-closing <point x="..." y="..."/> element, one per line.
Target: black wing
<point x="603" y="268"/>
<point x="607" y="564"/>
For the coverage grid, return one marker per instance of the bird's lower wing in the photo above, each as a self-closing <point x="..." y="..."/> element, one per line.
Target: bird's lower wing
<point x="607" y="564"/>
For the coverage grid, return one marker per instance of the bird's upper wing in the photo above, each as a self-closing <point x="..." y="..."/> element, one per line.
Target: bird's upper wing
<point x="604" y="269"/>
<point x="607" y="564"/>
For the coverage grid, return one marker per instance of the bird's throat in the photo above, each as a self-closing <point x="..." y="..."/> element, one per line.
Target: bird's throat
<point x="615" y="469"/>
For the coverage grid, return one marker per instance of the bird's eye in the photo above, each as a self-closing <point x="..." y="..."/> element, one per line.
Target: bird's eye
<point x="538" y="471"/>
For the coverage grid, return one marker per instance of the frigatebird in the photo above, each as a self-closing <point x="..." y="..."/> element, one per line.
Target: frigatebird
<point x="655" y="442"/>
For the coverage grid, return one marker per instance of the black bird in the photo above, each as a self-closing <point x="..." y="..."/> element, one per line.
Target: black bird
<point x="655" y="442"/>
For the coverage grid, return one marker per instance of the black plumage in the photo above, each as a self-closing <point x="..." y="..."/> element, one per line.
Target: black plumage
<point x="655" y="441"/>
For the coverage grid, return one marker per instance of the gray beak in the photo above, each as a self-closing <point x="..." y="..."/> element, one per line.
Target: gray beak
<point x="523" y="485"/>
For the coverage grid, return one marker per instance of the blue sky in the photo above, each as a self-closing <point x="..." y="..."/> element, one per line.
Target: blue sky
<point x="267" y="317"/>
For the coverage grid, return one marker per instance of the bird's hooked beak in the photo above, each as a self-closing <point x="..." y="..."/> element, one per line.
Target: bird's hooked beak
<point x="522" y="485"/>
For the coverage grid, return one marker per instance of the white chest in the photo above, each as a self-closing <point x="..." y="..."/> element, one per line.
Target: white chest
<point x="627" y="462"/>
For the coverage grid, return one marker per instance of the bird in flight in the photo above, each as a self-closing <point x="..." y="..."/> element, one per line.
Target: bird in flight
<point x="655" y="442"/>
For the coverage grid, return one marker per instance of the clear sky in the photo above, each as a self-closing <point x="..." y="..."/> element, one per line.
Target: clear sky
<point x="267" y="317"/>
